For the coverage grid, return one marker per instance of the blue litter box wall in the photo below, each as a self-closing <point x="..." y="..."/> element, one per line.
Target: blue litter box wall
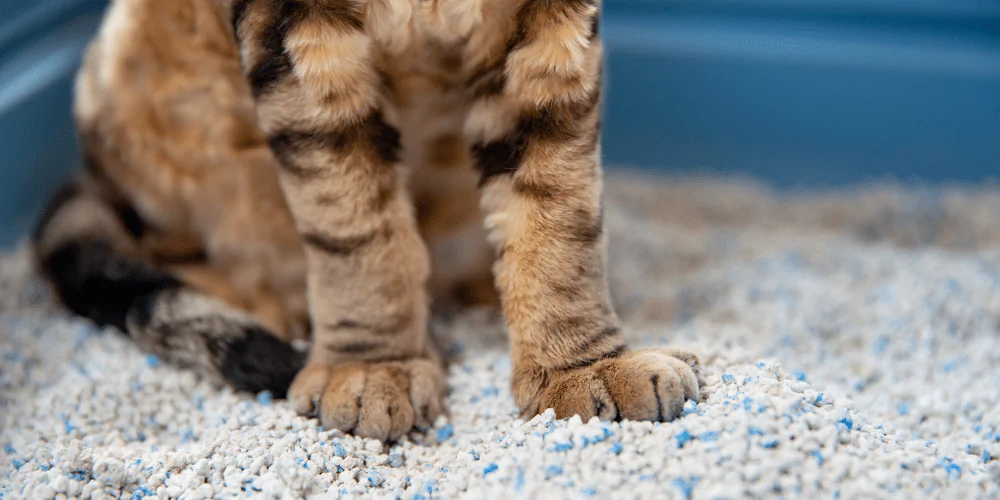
<point x="793" y="92"/>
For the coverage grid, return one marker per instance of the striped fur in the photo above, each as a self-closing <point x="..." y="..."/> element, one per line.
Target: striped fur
<point x="177" y="231"/>
<point x="357" y="97"/>
<point x="90" y="250"/>
<point x="406" y="136"/>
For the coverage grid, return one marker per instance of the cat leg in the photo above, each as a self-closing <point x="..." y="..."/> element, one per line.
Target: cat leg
<point x="534" y="129"/>
<point x="371" y="370"/>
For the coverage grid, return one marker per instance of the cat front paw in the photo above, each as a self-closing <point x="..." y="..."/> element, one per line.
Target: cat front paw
<point x="382" y="400"/>
<point x="647" y="384"/>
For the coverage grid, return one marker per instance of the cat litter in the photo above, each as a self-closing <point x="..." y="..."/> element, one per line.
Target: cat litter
<point x="843" y="358"/>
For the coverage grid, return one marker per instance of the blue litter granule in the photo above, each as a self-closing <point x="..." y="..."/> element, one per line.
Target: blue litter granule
<point x="646" y="477"/>
<point x="755" y="431"/>
<point x="690" y="407"/>
<point x="709" y="436"/>
<point x="68" y="426"/>
<point x="374" y="478"/>
<point x="152" y="360"/>
<point x="589" y="491"/>
<point x="848" y="422"/>
<point x="686" y="486"/>
<point x="950" y="366"/>
<point x="18" y="463"/>
<point x="953" y="470"/>
<point x="188" y="435"/>
<point x="819" y="457"/>
<point x="265" y="398"/>
<point x="880" y="344"/>
<point x="761" y="364"/>
<point x="682" y="438"/>
<point x="553" y="470"/>
<point x="728" y="378"/>
<point x="819" y="399"/>
<point x="748" y="405"/>
<point x="560" y="447"/>
<point x="9" y="449"/>
<point x="475" y="456"/>
<point x="339" y="450"/>
<point x="617" y="448"/>
<point x="799" y="375"/>
<point x="395" y="460"/>
<point x="606" y="432"/>
<point x="903" y="409"/>
<point x="770" y="443"/>
<point x="748" y="379"/>
<point x="519" y="480"/>
<point x="142" y="492"/>
<point x="490" y="468"/>
<point x="445" y="432"/>
<point x="491" y="392"/>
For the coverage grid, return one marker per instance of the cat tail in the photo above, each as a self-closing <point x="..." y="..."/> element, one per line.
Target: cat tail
<point x="82" y="245"/>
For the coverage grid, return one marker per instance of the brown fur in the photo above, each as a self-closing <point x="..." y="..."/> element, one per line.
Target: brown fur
<point x="389" y="119"/>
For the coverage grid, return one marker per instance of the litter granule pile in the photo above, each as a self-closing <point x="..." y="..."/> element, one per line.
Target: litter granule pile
<point x="849" y="339"/>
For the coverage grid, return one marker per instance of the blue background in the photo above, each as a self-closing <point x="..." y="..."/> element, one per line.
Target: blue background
<point x="806" y="93"/>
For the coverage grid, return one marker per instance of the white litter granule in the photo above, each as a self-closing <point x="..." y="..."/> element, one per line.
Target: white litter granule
<point x="850" y="344"/>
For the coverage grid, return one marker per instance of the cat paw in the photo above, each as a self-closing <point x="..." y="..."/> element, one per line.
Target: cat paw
<point x="648" y="384"/>
<point x="374" y="400"/>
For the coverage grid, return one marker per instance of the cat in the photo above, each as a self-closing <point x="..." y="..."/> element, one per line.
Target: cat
<point x="260" y="155"/>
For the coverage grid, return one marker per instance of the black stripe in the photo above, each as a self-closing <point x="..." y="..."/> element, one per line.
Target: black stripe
<point x="655" y="379"/>
<point x="239" y="10"/>
<point x="598" y="337"/>
<point x="65" y="194"/>
<point x="130" y="218"/>
<point x="341" y="246"/>
<point x="595" y="26"/>
<point x="373" y="132"/>
<point x="555" y="123"/>
<point x="384" y="137"/>
<point x="558" y="122"/>
<point x="393" y="326"/>
<point x="257" y="361"/>
<point x="95" y="282"/>
<point x="499" y="157"/>
<point x="342" y="12"/>
<point x="275" y="64"/>
<point x="287" y="143"/>
<point x="359" y="347"/>
<point x="585" y="228"/>
<point x="489" y="81"/>
<point x="580" y="363"/>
